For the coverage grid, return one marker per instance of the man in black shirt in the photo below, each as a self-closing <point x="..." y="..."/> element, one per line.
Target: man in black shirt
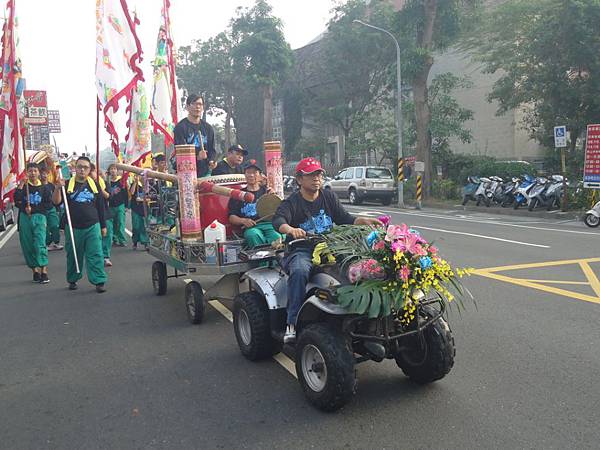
<point x="232" y="163"/>
<point x="86" y="207"/>
<point x="194" y="131"/>
<point x="32" y="222"/>
<point x="309" y="210"/>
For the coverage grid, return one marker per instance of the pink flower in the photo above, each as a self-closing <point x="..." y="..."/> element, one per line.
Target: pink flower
<point x="385" y="220"/>
<point x="404" y="273"/>
<point x="396" y="232"/>
<point x="410" y="244"/>
<point x="433" y="249"/>
<point x="379" y="245"/>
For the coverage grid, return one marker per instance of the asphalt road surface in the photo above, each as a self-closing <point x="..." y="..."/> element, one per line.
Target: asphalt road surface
<point x="125" y="369"/>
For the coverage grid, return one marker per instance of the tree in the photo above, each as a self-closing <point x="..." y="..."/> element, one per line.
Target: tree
<point x="261" y="53"/>
<point x="426" y="27"/>
<point x="546" y="52"/>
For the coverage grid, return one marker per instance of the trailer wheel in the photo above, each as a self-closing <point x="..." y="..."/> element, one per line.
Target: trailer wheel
<point x="194" y="302"/>
<point x="159" y="277"/>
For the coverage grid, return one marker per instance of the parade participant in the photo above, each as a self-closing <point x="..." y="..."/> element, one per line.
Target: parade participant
<point x="108" y="238"/>
<point x="193" y="130"/>
<point x="313" y="210"/>
<point x="86" y="207"/>
<point x="244" y="214"/>
<point x="33" y="201"/>
<point x="52" y="217"/>
<point x="138" y="213"/>
<point x="232" y="163"/>
<point x="116" y="204"/>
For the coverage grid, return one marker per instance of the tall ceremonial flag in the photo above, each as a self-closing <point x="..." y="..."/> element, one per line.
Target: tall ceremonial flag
<point x="118" y="53"/>
<point x="165" y="104"/>
<point x="140" y="135"/>
<point x="12" y="166"/>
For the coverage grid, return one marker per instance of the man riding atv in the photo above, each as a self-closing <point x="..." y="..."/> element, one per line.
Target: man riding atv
<point x="309" y="210"/>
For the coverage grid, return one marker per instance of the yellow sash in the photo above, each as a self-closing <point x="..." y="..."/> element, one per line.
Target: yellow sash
<point x="37" y="183"/>
<point x="91" y="183"/>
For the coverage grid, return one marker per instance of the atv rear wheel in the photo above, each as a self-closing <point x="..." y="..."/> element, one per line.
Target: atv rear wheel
<point x="252" y="327"/>
<point x="325" y="367"/>
<point x="430" y="356"/>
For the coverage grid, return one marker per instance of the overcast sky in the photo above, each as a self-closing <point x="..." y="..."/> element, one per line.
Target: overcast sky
<point x="58" y="47"/>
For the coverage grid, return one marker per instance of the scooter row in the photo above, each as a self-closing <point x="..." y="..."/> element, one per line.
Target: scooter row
<point x="524" y="191"/>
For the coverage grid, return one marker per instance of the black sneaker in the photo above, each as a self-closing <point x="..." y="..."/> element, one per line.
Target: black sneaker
<point x="134" y="247"/>
<point x="36" y="277"/>
<point x="72" y="286"/>
<point x="147" y="247"/>
<point x="100" y="288"/>
<point x="44" y="278"/>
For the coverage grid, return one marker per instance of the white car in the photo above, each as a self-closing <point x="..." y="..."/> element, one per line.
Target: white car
<point x="364" y="183"/>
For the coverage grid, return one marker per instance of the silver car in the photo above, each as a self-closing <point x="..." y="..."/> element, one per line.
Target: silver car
<point x="364" y="183"/>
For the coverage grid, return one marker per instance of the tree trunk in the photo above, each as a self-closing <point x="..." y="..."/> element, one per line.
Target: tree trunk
<point x="422" y="111"/>
<point x="228" y="125"/>
<point x="268" y="113"/>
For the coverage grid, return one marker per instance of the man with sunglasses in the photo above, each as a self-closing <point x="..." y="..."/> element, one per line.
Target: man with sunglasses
<point x="309" y="210"/>
<point x="193" y="130"/>
<point x="86" y="207"/>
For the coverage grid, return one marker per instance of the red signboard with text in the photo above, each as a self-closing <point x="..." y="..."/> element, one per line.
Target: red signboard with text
<point x="37" y="107"/>
<point x="591" y="168"/>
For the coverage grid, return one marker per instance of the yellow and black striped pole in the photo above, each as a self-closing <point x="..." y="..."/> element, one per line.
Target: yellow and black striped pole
<point x="401" y="169"/>
<point x="419" y="190"/>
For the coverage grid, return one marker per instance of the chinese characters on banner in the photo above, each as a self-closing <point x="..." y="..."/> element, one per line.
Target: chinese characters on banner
<point x="591" y="168"/>
<point x="37" y="107"/>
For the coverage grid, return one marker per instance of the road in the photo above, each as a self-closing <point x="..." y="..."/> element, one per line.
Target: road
<point x="125" y="369"/>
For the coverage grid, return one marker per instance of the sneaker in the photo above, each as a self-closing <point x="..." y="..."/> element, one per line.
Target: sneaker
<point x="72" y="286"/>
<point x="100" y="288"/>
<point x="44" y="278"/>
<point x="146" y="247"/>
<point x="290" y="334"/>
<point x="134" y="247"/>
<point x="58" y="247"/>
<point x="107" y="262"/>
<point x="36" y="277"/>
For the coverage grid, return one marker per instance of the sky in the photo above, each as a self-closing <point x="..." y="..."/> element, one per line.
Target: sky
<point x="57" y="45"/>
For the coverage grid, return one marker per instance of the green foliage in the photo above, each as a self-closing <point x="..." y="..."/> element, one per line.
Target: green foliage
<point x="459" y="167"/>
<point x="546" y="52"/>
<point x="446" y="189"/>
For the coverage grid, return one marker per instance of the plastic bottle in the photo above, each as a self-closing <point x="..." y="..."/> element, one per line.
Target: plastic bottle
<point x="213" y="233"/>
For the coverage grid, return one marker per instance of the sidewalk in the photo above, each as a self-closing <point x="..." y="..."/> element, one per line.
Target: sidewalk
<point x="495" y="209"/>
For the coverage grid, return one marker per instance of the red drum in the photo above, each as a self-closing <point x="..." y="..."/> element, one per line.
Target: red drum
<point x="215" y="207"/>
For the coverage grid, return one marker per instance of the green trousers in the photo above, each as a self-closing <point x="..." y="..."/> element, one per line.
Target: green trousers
<point x="88" y="243"/>
<point x="108" y="239"/>
<point x="32" y="236"/>
<point x="260" y="234"/>
<point x="118" y="213"/>
<point x="138" y="229"/>
<point x="53" y="221"/>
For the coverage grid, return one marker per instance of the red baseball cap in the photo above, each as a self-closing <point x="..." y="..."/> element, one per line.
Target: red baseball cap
<point x="309" y="165"/>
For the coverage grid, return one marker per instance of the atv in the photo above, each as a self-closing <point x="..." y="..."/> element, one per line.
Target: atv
<point x="330" y="341"/>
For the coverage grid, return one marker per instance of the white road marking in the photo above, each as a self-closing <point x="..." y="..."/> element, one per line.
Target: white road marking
<point x="281" y="358"/>
<point x="480" y="236"/>
<point x="481" y="221"/>
<point x="10" y="230"/>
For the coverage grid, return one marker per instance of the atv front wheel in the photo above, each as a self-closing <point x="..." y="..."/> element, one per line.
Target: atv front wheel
<point x="252" y="328"/>
<point x="430" y="356"/>
<point x="325" y="367"/>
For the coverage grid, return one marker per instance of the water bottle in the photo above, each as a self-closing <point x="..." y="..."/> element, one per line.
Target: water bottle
<point x="213" y="233"/>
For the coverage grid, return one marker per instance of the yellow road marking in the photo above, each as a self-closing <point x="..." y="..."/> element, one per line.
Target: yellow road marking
<point x="592" y="279"/>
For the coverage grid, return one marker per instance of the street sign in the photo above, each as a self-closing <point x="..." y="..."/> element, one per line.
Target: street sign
<point x="54" y="120"/>
<point x="591" y="167"/>
<point x="560" y="136"/>
<point x="36" y="110"/>
<point x="419" y="166"/>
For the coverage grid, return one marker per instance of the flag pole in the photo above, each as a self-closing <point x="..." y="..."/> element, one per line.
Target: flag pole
<point x="97" y="135"/>
<point x="69" y="221"/>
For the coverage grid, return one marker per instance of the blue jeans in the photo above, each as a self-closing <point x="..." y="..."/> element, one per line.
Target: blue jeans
<point x="298" y="265"/>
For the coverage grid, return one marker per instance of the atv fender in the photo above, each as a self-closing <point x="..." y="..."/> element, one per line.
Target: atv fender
<point x="269" y="283"/>
<point x="316" y="310"/>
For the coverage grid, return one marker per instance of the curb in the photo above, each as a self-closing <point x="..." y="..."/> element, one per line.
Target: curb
<point x="509" y="211"/>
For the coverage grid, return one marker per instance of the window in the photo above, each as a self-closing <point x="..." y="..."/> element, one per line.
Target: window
<point x="349" y="174"/>
<point x="341" y="175"/>
<point x="379" y="173"/>
<point x="359" y="172"/>
<point x="277" y="133"/>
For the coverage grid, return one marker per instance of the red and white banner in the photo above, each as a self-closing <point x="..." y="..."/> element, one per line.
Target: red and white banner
<point x="166" y="108"/>
<point x="140" y="133"/>
<point x="36" y="111"/>
<point x="591" y="167"/>
<point x="12" y="166"/>
<point x="118" y="53"/>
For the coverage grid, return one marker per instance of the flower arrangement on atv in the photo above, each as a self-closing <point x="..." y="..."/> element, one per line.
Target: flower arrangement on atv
<point x="389" y="269"/>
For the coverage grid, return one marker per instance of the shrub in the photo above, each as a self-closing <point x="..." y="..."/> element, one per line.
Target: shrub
<point x="445" y="189"/>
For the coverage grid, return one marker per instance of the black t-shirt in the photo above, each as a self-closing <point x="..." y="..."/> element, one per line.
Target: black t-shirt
<point x="118" y="195"/>
<point x="244" y="209"/>
<point x="223" y="168"/>
<point x="136" y="205"/>
<point x="186" y="132"/>
<point x="86" y="207"/>
<point x="40" y="198"/>
<point x="314" y="217"/>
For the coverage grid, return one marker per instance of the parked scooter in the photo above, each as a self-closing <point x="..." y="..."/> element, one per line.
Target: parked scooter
<point x="548" y="196"/>
<point x="592" y="217"/>
<point x="470" y="190"/>
<point x="508" y="191"/>
<point x="522" y="193"/>
<point x="494" y="192"/>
